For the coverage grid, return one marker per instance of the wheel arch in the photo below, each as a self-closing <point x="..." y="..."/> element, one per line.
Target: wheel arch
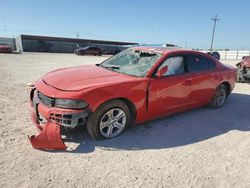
<point x="128" y="102"/>
<point x="228" y="87"/>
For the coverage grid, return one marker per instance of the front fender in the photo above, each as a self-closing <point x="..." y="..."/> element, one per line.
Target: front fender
<point x="136" y="92"/>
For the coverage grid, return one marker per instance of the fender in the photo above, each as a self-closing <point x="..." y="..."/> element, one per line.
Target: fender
<point x="137" y="95"/>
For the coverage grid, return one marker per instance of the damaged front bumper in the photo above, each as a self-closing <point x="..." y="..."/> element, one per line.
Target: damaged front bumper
<point x="246" y="73"/>
<point x="49" y="122"/>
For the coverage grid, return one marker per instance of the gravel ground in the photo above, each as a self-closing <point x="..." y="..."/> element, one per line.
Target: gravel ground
<point x="199" y="148"/>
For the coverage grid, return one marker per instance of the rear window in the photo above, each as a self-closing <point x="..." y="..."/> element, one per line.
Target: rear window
<point x="199" y="63"/>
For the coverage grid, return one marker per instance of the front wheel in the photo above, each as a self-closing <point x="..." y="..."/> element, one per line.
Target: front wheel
<point x="219" y="97"/>
<point x="110" y="120"/>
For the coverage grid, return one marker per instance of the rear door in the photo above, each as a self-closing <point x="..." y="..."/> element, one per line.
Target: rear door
<point x="204" y="78"/>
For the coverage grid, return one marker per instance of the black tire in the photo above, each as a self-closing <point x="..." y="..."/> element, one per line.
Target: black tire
<point x="94" y="120"/>
<point x="219" y="97"/>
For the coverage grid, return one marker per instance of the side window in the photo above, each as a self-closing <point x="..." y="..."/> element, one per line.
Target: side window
<point x="211" y="64"/>
<point x="199" y="63"/>
<point x="176" y="65"/>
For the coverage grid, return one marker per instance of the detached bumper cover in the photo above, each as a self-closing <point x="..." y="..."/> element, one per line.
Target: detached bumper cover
<point x="49" y="138"/>
<point x="49" y="121"/>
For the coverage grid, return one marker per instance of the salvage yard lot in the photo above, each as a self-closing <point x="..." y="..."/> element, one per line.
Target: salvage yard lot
<point x="199" y="148"/>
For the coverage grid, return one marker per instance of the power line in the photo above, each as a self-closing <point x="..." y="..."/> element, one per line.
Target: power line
<point x="215" y="19"/>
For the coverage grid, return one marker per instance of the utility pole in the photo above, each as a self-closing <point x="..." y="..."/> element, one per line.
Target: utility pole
<point x="215" y="19"/>
<point x="77" y="36"/>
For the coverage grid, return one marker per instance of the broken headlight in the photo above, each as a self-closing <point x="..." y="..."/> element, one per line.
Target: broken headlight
<point x="69" y="103"/>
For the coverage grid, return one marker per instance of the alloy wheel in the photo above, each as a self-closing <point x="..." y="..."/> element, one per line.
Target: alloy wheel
<point x="220" y="97"/>
<point x="112" y="122"/>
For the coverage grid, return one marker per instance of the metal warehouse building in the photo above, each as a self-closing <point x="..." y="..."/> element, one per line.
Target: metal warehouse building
<point x="33" y="43"/>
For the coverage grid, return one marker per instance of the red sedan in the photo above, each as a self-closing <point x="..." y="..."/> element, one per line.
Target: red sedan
<point x="137" y="85"/>
<point x="5" y="48"/>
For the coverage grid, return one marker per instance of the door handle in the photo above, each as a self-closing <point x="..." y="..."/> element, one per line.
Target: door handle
<point x="187" y="82"/>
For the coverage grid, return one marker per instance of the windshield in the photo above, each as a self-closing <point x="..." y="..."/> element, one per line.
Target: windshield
<point x="132" y="62"/>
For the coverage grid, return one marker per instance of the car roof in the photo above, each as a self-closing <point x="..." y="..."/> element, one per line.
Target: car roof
<point x="162" y="50"/>
<point x="167" y="50"/>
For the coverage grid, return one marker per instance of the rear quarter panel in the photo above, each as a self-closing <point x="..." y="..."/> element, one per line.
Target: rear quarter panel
<point x="227" y="73"/>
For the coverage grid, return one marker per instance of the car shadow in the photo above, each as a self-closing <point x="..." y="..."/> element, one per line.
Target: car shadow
<point x="176" y="130"/>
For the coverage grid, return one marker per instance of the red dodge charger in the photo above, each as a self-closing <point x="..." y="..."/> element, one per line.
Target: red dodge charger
<point x="137" y="85"/>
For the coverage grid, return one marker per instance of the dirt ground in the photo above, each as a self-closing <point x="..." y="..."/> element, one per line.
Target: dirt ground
<point x="199" y="148"/>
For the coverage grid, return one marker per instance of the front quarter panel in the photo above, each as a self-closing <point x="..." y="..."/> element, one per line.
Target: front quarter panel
<point x="134" y="91"/>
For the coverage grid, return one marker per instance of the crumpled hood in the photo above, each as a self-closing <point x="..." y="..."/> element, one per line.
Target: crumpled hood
<point x="246" y="62"/>
<point x="81" y="77"/>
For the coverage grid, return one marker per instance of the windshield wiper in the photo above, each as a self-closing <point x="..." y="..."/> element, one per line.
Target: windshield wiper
<point x="110" y="67"/>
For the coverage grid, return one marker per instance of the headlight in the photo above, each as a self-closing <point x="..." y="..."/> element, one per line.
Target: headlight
<point x="68" y="103"/>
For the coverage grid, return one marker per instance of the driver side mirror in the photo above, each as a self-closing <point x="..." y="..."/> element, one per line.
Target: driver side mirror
<point x="161" y="71"/>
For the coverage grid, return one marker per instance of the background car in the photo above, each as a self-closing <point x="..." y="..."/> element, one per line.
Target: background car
<point x="243" y="69"/>
<point x="5" y="48"/>
<point x="89" y="50"/>
<point x="216" y="55"/>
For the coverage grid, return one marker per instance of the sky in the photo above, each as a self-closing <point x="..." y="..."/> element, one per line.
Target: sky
<point x="186" y="23"/>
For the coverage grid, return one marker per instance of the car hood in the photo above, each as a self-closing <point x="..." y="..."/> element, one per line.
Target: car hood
<point x="82" y="77"/>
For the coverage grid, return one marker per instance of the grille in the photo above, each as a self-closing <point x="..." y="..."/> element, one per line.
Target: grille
<point x="68" y="120"/>
<point x="46" y="100"/>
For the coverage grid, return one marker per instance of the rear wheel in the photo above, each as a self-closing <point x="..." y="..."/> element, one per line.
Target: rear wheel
<point x="110" y="120"/>
<point x="219" y="97"/>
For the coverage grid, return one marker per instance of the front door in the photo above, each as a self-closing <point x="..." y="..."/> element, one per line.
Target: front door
<point x="170" y="93"/>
